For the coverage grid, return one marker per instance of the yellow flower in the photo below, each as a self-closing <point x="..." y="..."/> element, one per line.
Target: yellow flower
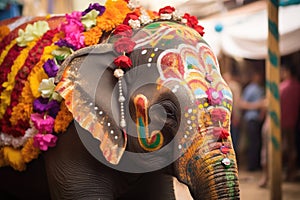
<point x="3" y="161"/>
<point x="35" y="79"/>
<point x="29" y="152"/>
<point x="14" y="158"/>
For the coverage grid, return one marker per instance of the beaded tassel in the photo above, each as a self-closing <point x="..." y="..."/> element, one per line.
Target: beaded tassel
<point x="119" y="73"/>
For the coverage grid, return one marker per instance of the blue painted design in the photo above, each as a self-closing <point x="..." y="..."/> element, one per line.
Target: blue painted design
<point x="199" y="92"/>
<point x="227" y="93"/>
<point x="273" y="29"/>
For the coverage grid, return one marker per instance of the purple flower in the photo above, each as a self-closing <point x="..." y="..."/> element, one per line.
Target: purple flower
<point x="64" y="43"/>
<point x="95" y="6"/>
<point x="42" y="105"/>
<point x="44" y="141"/>
<point x="214" y="97"/>
<point x="43" y="123"/>
<point x="53" y="108"/>
<point x="50" y="68"/>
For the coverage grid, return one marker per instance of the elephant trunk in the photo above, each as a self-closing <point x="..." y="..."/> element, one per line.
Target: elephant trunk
<point x="205" y="173"/>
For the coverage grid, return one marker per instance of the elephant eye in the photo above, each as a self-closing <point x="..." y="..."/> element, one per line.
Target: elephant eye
<point x="164" y="112"/>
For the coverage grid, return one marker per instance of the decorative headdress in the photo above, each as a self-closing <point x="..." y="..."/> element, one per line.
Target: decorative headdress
<point x="30" y="109"/>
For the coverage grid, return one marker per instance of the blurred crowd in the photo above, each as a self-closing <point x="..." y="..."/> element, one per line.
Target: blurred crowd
<point x="250" y="127"/>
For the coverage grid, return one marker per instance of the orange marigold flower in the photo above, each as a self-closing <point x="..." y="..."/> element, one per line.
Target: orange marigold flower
<point x="29" y="151"/>
<point x="4" y="31"/>
<point x="63" y="119"/>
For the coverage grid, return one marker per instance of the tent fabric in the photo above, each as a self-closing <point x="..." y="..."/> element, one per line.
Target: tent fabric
<point x="245" y="34"/>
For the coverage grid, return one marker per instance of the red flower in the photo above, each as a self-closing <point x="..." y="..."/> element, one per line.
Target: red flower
<point x="192" y="21"/>
<point x="199" y="29"/>
<point x="124" y="45"/>
<point x="221" y="133"/>
<point x="130" y="16"/>
<point x="123" y="62"/>
<point x="123" y="30"/>
<point x="218" y="115"/>
<point x="166" y="10"/>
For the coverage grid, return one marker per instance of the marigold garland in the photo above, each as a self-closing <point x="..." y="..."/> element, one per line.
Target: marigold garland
<point x="29" y="152"/>
<point x="6" y="50"/>
<point x="63" y="119"/>
<point x="9" y="84"/>
<point x="114" y="14"/>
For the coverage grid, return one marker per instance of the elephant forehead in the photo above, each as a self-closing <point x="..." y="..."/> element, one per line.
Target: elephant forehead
<point x="165" y="35"/>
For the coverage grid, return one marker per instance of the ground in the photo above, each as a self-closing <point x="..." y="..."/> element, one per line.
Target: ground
<point x="250" y="190"/>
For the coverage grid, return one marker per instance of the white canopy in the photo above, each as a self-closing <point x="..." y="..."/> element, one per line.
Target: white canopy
<point x="245" y="31"/>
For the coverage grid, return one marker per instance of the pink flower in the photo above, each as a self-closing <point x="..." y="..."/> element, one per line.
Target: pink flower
<point x="76" y="15"/>
<point x="214" y="97"/>
<point x="76" y="39"/>
<point x="73" y="24"/>
<point x="42" y="141"/>
<point x="44" y="124"/>
<point x="218" y="115"/>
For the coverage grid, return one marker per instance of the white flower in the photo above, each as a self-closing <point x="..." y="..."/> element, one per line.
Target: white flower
<point x="177" y="15"/>
<point x="165" y="16"/>
<point x="47" y="87"/>
<point x="32" y="32"/>
<point x="89" y="19"/>
<point x="145" y="19"/>
<point x="57" y="97"/>
<point x="134" y="23"/>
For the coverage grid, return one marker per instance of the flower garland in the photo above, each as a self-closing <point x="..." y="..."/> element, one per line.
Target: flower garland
<point x="27" y="81"/>
<point x="4" y="31"/>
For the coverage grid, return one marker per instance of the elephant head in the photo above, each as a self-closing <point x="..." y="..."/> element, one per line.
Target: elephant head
<point x="172" y="106"/>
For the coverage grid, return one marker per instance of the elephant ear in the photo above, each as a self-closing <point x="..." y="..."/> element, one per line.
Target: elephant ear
<point x="87" y="84"/>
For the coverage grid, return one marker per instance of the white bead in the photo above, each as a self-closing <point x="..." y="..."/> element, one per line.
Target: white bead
<point x="123" y="123"/>
<point x="108" y="124"/>
<point x="118" y="73"/>
<point x="180" y="146"/>
<point x="116" y="137"/>
<point x="100" y="112"/>
<point x="144" y="52"/>
<point x="112" y="132"/>
<point x="91" y="104"/>
<point x="96" y="108"/>
<point x="121" y="99"/>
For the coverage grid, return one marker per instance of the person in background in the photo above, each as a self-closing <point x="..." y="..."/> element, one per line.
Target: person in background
<point x="254" y="117"/>
<point x="10" y="8"/>
<point x="290" y="108"/>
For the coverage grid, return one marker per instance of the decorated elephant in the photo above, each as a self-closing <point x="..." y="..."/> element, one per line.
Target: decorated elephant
<point x="137" y="96"/>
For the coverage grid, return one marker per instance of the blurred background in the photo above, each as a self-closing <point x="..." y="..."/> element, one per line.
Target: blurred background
<point x="237" y="32"/>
